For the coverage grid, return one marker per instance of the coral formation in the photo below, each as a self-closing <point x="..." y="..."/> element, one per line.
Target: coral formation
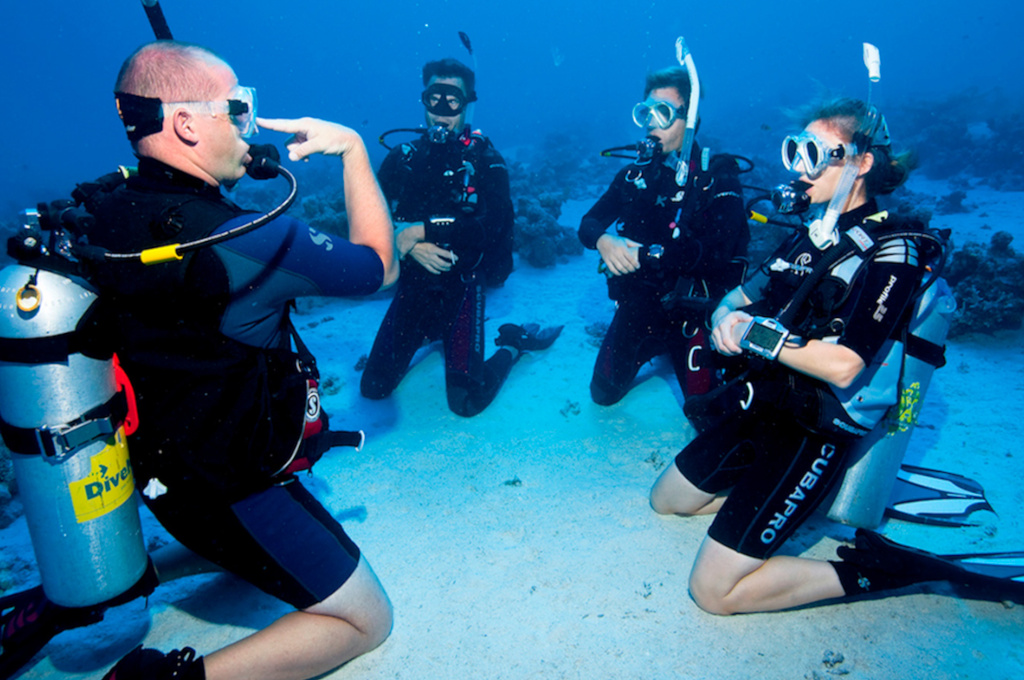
<point x="951" y="203"/>
<point x="954" y="139"/>
<point x="540" y="240"/>
<point x="9" y="511"/>
<point x="989" y="286"/>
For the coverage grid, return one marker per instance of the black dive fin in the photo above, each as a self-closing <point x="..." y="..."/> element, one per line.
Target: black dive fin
<point x="935" y="497"/>
<point x="1001" y="573"/>
<point x="1005" y="565"/>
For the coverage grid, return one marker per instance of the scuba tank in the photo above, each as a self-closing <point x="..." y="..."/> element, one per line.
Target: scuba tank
<point x="63" y="417"/>
<point x="875" y="458"/>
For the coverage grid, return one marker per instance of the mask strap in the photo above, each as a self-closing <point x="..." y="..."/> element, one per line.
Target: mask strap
<point x="142" y="116"/>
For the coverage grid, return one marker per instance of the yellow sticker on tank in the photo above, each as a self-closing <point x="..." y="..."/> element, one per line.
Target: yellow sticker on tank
<point x="109" y="483"/>
<point x="909" y="406"/>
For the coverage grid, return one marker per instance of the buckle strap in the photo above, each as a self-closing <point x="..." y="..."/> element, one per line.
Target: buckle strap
<point x="926" y="350"/>
<point x="57" y="441"/>
<point x="51" y="349"/>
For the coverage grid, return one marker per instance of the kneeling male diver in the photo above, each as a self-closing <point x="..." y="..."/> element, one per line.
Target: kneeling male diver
<point x="207" y="343"/>
<point x="449" y="192"/>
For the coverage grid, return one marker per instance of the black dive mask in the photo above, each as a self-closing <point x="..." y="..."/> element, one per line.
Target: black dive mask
<point x="142" y="116"/>
<point x="442" y="99"/>
<point x="791" y="199"/>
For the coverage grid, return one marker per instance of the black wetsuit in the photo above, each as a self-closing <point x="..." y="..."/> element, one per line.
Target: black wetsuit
<point x="702" y="231"/>
<point x="782" y="455"/>
<point x="464" y="182"/>
<point x="206" y="343"/>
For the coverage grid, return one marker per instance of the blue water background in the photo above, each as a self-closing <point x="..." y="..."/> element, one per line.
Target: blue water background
<point x="548" y="71"/>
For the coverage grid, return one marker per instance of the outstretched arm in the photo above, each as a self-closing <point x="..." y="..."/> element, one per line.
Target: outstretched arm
<point x="368" y="214"/>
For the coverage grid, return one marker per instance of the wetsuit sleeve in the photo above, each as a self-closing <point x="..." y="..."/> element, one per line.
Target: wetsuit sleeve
<point x="498" y="219"/>
<point x="607" y="209"/>
<point x="755" y="286"/>
<point x="298" y="260"/>
<point x="881" y="298"/>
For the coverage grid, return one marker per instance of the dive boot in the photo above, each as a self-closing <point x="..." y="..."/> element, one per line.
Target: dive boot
<point x="150" y="664"/>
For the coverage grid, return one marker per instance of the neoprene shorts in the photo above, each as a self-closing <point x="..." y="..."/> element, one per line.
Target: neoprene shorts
<point x="775" y="472"/>
<point x="281" y="540"/>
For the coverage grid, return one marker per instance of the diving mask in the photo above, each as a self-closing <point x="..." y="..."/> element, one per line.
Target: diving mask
<point x="239" y="107"/>
<point x="442" y="99"/>
<point x="808" y="154"/>
<point x="656" y="113"/>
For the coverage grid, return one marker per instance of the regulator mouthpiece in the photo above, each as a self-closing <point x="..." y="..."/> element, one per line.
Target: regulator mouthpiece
<point x="438" y="134"/>
<point x="266" y="162"/>
<point x="792" y="198"/>
<point x="647" y="149"/>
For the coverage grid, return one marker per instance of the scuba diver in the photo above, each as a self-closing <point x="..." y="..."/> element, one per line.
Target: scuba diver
<point x="808" y="328"/>
<point x="227" y="411"/>
<point x="681" y="230"/>
<point x="449" y="194"/>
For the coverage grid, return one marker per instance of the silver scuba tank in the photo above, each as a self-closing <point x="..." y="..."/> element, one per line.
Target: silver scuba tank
<point x="69" y="451"/>
<point x="875" y="459"/>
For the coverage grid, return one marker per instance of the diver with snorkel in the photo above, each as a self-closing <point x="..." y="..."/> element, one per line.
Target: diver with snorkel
<point x="680" y="227"/>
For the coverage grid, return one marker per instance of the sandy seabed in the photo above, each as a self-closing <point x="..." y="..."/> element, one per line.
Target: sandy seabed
<point x="520" y="544"/>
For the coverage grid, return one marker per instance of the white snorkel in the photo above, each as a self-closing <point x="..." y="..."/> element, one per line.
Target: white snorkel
<point x="686" y="60"/>
<point x="873" y="60"/>
<point x="822" y="231"/>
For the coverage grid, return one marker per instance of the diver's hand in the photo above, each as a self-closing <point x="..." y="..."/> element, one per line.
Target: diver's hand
<point x="727" y="333"/>
<point x="312" y="135"/>
<point x="433" y="258"/>
<point x="620" y="255"/>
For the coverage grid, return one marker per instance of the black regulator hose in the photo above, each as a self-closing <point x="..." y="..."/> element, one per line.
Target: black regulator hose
<point x="385" y="135"/>
<point x="157" y="20"/>
<point x="264" y="165"/>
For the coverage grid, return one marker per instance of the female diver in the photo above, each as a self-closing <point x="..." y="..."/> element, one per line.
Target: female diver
<point x="766" y="465"/>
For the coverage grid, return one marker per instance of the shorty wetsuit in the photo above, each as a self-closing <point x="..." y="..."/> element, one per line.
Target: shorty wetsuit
<point x="201" y="340"/>
<point x="702" y="231"/>
<point x="464" y="182"/>
<point x="778" y="468"/>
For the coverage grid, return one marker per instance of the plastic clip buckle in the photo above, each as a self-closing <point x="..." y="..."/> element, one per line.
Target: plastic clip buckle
<point x="59" y="441"/>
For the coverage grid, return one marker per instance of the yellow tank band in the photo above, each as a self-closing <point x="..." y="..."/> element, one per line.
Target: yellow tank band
<point x="161" y="254"/>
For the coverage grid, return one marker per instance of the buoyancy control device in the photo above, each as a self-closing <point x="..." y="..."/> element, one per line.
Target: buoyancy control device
<point x="66" y="407"/>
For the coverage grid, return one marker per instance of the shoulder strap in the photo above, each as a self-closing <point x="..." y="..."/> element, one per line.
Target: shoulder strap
<point x="305" y="356"/>
<point x="852" y="239"/>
